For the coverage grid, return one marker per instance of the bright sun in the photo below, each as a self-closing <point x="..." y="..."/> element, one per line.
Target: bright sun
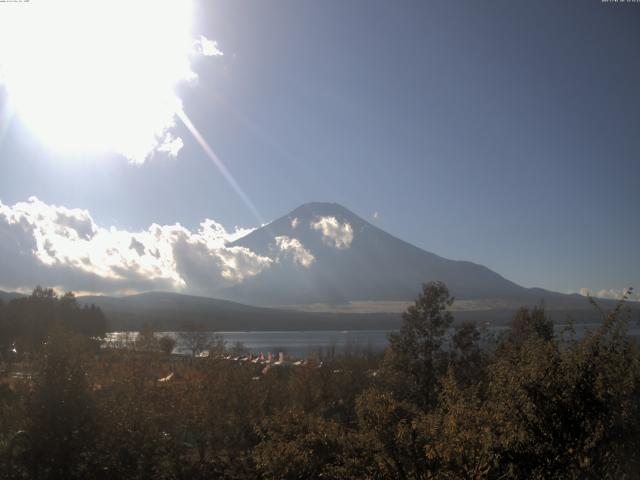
<point x="98" y="76"/>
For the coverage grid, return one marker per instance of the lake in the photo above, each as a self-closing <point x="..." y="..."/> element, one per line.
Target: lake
<point x="304" y="343"/>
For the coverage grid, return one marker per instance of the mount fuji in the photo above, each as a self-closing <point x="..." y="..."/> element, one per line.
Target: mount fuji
<point x="326" y="254"/>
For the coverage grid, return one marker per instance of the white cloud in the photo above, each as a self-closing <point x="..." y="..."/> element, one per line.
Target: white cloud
<point x="376" y="215"/>
<point x="219" y="236"/>
<point x="294" y="247"/>
<point x="51" y="245"/>
<point x="237" y="234"/>
<point x="171" y="145"/>
<point x="610" y="293"/>
<point x="206" y="47"/>
<point x="336" y="233"/>
<point x="295" y="222"/>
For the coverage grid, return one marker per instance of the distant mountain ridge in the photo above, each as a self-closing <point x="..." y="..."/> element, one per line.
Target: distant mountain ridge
<point x="173" y="311"/>
<point x="7" y="296"/>
<point x="167" y="311"/>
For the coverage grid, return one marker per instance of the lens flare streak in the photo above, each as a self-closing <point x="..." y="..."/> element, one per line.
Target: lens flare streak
<point x="219" y="164"/>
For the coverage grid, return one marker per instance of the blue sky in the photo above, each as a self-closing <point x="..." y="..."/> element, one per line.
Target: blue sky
<point x="501" y="132"/>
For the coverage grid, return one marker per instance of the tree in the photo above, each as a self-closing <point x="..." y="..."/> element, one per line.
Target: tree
<point x="567" y="410"/>
<point x="528" y="323"/>
<point x="467" y="355"/>
<point x="6" y="333"/>
<point x="396" y="434"/>
<point x="462" y="432"/>
<point x="416" y="356"/>
<point x="146" y="340"/>
<point x="217" y="346"/>
<point x="61" y="417"/>
<point x="298" y="445"/>
<point x="195" y="337"/>
<point x="167" y="344"/>
<point x="27" y="321"/>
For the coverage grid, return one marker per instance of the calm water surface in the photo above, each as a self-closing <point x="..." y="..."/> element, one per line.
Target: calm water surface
<point x="305" y="343"/>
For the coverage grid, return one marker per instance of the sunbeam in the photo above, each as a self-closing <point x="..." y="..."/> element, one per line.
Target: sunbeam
<point x="219" y="164"/>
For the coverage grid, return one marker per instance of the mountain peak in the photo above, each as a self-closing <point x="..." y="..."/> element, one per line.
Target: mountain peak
<point x="311" y="209"/>
<point x="306" y="223"/>
<point x="314" y="211"/>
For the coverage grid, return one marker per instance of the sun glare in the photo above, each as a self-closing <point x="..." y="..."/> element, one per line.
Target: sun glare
<point x="97" y="76"/>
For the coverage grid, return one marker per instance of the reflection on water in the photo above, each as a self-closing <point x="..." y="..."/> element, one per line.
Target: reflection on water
<point x="305" y="343"/>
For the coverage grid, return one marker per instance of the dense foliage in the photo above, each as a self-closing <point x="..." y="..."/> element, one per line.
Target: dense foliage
<point x="443" y="401"/>
<point x="26" y="322"/>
